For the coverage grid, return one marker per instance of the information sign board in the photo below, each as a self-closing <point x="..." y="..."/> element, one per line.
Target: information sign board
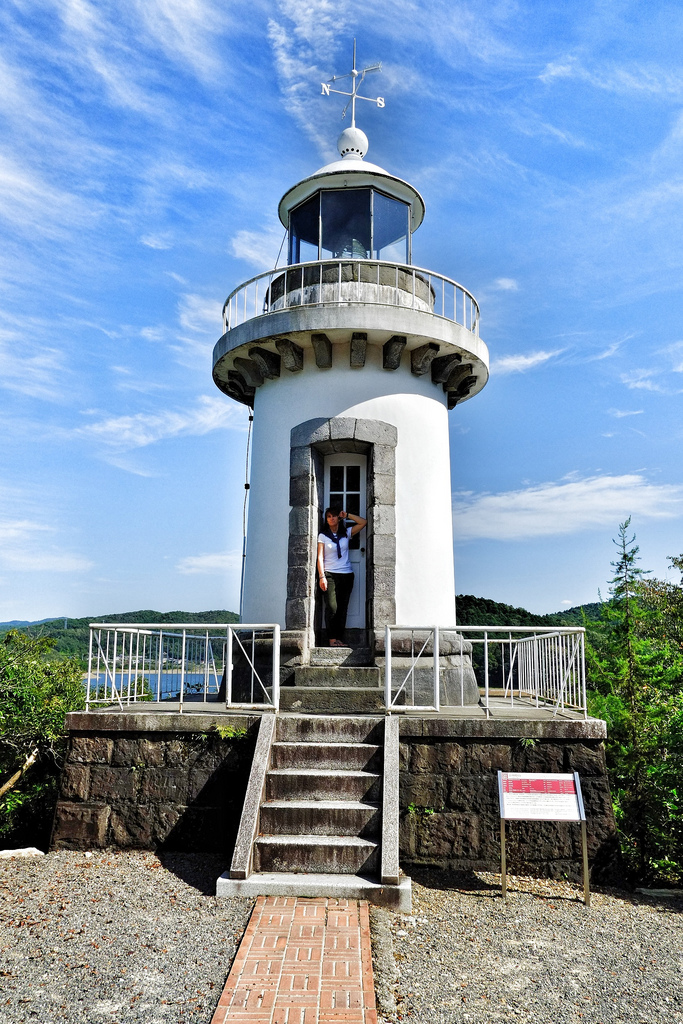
<point x="542" y="796"/>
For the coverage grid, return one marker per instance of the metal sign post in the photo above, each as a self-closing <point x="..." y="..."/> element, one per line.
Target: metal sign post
<point x="541" y="797"/>
<point x="503" y="872"/>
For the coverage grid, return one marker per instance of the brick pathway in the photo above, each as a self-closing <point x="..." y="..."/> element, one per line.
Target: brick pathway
<point x="302" y="961"/>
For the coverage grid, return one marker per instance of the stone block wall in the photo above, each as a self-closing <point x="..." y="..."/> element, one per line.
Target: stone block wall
<point x="449" y="797"/>
<point x="167" y="781"/>
<point x="129" y="784"/>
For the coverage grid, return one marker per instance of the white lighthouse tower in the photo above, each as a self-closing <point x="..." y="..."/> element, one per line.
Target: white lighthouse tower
<point x="351" y="358"/>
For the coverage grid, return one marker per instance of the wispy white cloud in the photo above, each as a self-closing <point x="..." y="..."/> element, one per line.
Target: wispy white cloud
<point x="30" y="368"/>
<point x="28" y="544"/>
<point x="14" y="531"/>
<point x="161" y="240"/>
<point x="561" y="135"/>
<point x="176" y="277"/>
<point x="303" y="37"/>
<point x="129" y="463"/>
<point x="675" y="353"/>
<point x="607" y="353"/>
<point x="122" y="433"/>
<point x="527" y="122"/>
<point x="646" y="199"/>
<point x="130" y="380"/>
<point x="258" y="248"/>
<point x="565" y="507"/>
<point x="32" y="205"/>
<point x="187" y="30"/>
<point x="199" y="314"/>
<point x="26" y="558"/>
<point x="643" y="380"/>
<point x="480" y="31"/>
<point x="201" y="324"/>
<point x="65" y="68"/>
<point x="153" y="333"/>
<point x="506" y="284"/>
<point x="648" y="79"/>
<point x="620" y="414"/>
<point x="522" y="362"/>
<point x="210" y="564"/>
<point x="116" y="44"/>
<point x="449" y="27"/>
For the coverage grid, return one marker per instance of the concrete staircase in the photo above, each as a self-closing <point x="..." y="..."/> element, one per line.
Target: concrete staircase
<point x="322" y="809"/>
<point x="320" y="818"/>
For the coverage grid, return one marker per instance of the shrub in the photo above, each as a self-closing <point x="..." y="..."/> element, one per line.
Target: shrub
<point x="36" y="693"/>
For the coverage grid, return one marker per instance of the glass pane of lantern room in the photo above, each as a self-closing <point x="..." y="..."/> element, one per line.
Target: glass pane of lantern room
<point x="389" y="229"/>
<point x="345" y="216"/>
<point x="304" y="225"/>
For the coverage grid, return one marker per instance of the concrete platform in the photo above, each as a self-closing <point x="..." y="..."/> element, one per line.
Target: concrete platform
<point x="521" y="719"/>
<point x="353" y="887"/>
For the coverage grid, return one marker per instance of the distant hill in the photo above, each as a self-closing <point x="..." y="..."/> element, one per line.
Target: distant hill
<point x="471" y="611"/>
<point x="479" y="611"/>
<point x="74" y="639"/>
<point x="17" y="623"/>
<point x="475" y="611"/>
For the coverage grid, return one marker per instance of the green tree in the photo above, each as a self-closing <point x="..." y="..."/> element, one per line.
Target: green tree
<point x="36" y="693"/>
<point x="665" y="599"/>
<point x="635" y="671"/>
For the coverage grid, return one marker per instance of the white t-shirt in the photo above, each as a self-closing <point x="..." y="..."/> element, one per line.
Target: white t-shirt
<point x="331" y="560"/>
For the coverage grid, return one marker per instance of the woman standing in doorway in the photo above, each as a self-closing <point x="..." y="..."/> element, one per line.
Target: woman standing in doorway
<point x="334" y="569"/>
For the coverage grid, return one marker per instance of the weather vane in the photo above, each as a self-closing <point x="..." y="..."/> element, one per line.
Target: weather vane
<point x="357" y="80"/>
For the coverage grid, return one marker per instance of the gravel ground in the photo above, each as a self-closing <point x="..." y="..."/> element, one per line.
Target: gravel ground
<point x="465" y="956"/>
<point x="123" y="937"/>
<point x="114" y="937"/>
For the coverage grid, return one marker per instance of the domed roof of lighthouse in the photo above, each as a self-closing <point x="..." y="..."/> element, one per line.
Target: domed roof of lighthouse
<point x="353" y="171"/>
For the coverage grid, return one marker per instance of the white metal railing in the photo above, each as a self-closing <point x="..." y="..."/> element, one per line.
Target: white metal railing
<point x="544" y="665"/>
<point x="175" y="662"/>
<point x="376" y="282"/>
<point x="130" y="663"/>
<point x="421" y="680"/>
<point x="259" y="642"/>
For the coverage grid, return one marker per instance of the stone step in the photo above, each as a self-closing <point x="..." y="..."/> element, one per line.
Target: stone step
<point x="351" y="887"/>
<point x="352" y="756"/>
<point x="320" y="818"/>
<point x="338" y="855"/>
<point x="328" y="729"/>
<point x="341" y="656"/>
<point x="292" y="784"/>
<point x="366" y="677"/>
<point x="335" y="700"/>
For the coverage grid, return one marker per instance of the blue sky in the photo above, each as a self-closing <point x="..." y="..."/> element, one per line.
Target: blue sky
<point x="146" y="144"/>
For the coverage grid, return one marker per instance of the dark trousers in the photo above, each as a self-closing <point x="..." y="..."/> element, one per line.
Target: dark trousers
<point x="337" y="596"/>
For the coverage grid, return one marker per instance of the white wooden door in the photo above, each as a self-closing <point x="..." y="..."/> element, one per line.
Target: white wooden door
<point x="345" y="480"/>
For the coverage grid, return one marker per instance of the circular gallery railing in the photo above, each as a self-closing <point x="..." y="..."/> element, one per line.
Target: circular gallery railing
<point x="337" y="282"/>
